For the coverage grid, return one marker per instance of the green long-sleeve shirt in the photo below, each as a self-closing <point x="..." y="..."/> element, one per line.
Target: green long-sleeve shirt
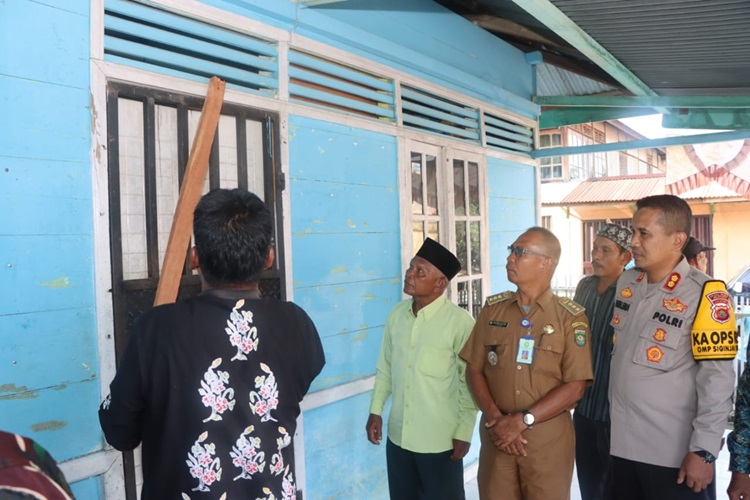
<point x="420" y="368"/>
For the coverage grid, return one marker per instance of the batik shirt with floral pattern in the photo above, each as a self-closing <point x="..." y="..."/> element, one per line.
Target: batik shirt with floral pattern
<point x="212" y="386"/>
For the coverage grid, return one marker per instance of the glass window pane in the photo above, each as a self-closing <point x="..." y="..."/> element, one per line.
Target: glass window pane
<point x="459" y="188"/>
<point x="476" y="248"/>
<point x="473" y="188"/>
<point x="416" y="184"/>
<point x="556" y="139"/>
<point x="417" y="235"/>
<point x="461" y="245"/>
<point x="227" y="132"/>
<point x="433" y="230"/>
<point x="132" y="190"/>
<point x="476" y="297"/>
<point x="254" y="144"/>
<point x="463" y="294"/>
<point x="544" y="141"/>
<point x="432" y="189"/>
<point x="167" y="184"/>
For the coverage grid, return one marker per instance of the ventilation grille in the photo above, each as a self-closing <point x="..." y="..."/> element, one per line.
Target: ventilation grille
<point x="505" y="135"/>
<point x="431" y="113"/>
<point x="328" y="84"/>
<point x="156" y="40"/>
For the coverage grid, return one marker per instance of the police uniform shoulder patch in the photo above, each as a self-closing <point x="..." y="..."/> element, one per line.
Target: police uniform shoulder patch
<point x="498" y="297"/>
<point x="714" y="334"/>
<point x="572" y="307"/>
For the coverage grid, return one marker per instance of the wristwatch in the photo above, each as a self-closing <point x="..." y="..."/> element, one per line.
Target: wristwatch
<point x="528" y="418"/>
<point x="706" y="456"/>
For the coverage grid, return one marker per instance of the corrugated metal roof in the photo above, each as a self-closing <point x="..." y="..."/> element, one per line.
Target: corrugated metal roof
<point x="553" y="81"/>
<point x="613" y="190"/>
<point x="677" y="47"/>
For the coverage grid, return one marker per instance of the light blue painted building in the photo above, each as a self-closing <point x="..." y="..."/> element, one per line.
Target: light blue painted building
<point x="366" y="125"/>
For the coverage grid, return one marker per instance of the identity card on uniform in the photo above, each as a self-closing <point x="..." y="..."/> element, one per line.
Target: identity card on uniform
<point x="525" y="350"/>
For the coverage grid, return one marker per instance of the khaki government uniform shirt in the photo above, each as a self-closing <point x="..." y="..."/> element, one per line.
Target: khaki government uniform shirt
<point x="562" y="355"/>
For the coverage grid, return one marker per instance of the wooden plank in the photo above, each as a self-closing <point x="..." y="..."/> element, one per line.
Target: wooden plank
<point x="190" y="193"/>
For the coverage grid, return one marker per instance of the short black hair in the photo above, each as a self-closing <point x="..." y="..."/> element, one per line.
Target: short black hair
<point x="676" y="215"/>
<point x="233" y="231"/>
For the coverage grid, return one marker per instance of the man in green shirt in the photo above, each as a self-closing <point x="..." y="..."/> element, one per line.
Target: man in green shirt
<point x="432" y="414"/>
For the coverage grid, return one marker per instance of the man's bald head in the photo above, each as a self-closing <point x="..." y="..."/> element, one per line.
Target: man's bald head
<point x="548" y="241"/>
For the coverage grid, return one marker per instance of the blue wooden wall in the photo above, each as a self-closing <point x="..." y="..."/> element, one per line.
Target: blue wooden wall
<point x="49" y="374"/>
<point x="418" y="37"/>
<point x="513" y="208"/>
<point x="345" y="221"/>
<point x="346" y="258"/>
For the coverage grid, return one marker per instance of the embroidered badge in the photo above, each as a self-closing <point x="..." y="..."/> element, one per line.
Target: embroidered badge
<point x="494" y="299"/>
<point x="549" y="329"/>
<point x="501" y="324"/>
<point x="654" y="354"/>
<point x="673" y="305"/>
<point x="626" y="293"/>
<point x="640" y="277"/>
<point x="720" y="304"/>
<point x="580" y="337"/>
<point x="616" y="319"/>
<point x="674" y="278"/>
<point x="580" y="323"/>
<point x="660" y="335"/>
<point x="621" y="304"/>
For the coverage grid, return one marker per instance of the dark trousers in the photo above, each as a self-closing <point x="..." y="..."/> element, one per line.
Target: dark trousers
<point x="423" y="476"/>
<point x="636" y="481"/>
<point x="593" y="463"/>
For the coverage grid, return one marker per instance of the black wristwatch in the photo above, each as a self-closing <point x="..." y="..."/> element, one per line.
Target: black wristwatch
<point x="705" y="456"/>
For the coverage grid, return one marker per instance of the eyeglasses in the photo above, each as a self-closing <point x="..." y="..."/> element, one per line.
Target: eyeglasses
<point x="520" y="252"/>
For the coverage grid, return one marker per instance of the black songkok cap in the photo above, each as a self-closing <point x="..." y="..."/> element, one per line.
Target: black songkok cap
<point x="440" y="257"/>
<point x="694" y="247"/>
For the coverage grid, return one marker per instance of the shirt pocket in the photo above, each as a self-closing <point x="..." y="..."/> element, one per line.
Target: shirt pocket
<point x="436" y="362"/>
<point x="548" y="353"/>
<point x="658" y="346"/>
<point x="501" y="351"/>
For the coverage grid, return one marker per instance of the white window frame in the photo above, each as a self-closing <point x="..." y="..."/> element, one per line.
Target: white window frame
<point x="447" y="151"/>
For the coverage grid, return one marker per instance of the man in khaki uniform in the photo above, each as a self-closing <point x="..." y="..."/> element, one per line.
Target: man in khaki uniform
<point x="528" y="363"/>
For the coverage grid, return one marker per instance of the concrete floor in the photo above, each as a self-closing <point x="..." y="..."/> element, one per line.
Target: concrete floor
<point x="723" y="476"/>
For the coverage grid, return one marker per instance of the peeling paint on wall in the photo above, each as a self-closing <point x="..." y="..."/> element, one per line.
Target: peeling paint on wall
<point x="20" y="395"/>
<point x="61" y="282"/>
<point x="337" y="270"/>
<point x="359" y="338"/>
<point x="49" y="425"/>
<point x="12" y="388"/>
<point x="350" y="224"/>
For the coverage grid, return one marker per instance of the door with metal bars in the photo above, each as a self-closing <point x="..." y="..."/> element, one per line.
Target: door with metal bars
<point x="149" y="138"/>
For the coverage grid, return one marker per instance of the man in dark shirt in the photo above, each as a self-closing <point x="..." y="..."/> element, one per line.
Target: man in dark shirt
<point x="610" y="253"/>
<point x="211" y="385"/>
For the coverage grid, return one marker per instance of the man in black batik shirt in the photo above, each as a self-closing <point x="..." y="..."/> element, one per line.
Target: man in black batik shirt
<point x="212" y="385"/>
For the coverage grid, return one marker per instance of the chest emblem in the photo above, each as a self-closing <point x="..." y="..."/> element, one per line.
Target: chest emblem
<point x="719" y="306"/>
<point x="626" y="293"/>
<point x="674" y="278"/>
<point x="654" y="354"/>
<point x="660" y="335"/>
<point x="616" y="319"/>
<point x="673" y="305"/>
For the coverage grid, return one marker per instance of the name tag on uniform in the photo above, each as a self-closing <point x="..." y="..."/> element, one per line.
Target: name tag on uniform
<point x="525" y="350"/>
